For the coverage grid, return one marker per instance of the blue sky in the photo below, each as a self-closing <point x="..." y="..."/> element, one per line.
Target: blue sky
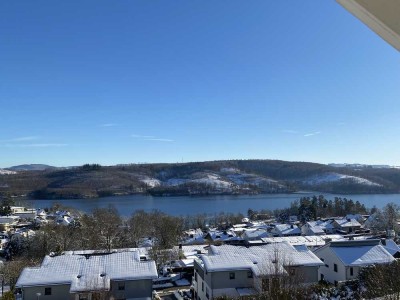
<point x="168" y="81"/>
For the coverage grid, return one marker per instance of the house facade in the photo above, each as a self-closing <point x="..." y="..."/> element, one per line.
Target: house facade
<point x="124" y="274"/>
<point x="344" y="259"/>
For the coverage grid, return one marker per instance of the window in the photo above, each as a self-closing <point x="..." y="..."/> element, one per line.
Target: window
<point x="202" y="286"/>
<point x="195" y="276"/>
<point x="292" y="271"/>
<point x="83" y="297"/>
<point x="207" y="294"/>
<point x="351" y="271"/>
<point x="232" y="275"/>
<point x="249" y="274"/>
<point x="326" y="265"/>
<point x="47" y="291"/>
<point x="121" y="286"/>
<point x="335" y="267"/>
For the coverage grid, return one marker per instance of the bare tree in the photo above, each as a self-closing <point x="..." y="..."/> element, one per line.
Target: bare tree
<point x="279" y="279"/>
<point x="381" y="280"/>
<point x="102" y="229"/>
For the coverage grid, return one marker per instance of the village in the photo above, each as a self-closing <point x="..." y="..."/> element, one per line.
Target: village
<point x="261" y="254"/>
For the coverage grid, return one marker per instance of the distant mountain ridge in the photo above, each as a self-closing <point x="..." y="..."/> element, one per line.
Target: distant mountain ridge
<point x="31" y="167"/>
<point x="199" y="178"/>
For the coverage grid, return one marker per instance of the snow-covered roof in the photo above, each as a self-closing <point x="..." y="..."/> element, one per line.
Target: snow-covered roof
<point x="286" y="229"/>
<point x="228" y="235"/>
<point x="310" y="240"/>
<point x="264" y="259"/>
<point x="347" y="222"/>
<point x="360" y="253"/>
<point x="192" y="250"/>
<point x="255" y="234"/>
<point x="391" y="247"/>
<point x="90" y="272"/>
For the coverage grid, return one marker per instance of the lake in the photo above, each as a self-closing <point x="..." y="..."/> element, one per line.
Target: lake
<point x="186" y="205"/>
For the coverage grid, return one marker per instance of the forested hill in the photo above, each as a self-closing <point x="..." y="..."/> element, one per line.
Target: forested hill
<point x="198" y="178"/>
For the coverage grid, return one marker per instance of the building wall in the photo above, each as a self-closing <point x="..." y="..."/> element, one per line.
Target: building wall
<point x="58" y="292"/>
<point x="133" y="289"/>
<point x="329" y="259"/>
<point x="220" y="280"/>
<point x="201" y="287"/>
<point x="306" y="274"/>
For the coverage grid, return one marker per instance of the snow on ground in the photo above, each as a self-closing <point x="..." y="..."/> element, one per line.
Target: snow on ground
<point x="151" y="182"/>
<point x="7" y="172"/>
<point x="214" y="180"/>
<point x="332" y="177"/>
<point x="208" y="179"/>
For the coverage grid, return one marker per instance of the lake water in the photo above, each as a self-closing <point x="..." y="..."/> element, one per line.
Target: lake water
<point x="187" y="205"/>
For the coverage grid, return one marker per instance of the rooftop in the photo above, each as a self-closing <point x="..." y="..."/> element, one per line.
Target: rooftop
<point x="89" y="271"/>
<point x="264" y="259"/>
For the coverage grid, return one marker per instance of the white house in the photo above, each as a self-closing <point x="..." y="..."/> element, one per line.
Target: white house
<point x="236" y="271"/>
<point x="347" y="225"/>
<point x="193" y="236"/>
<point x="226" y="236"/>
<point x="255" y="234"/>
<point x="75" y="276"/>
<point x="312" y="228"/>
<point x="286" y="230"/>
<point x="344" y="259"/>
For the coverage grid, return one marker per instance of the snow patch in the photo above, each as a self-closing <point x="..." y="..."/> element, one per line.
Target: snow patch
<point x="334" y="177"/>
<point x="7" y="172"/>
<point x="150" y="182"/>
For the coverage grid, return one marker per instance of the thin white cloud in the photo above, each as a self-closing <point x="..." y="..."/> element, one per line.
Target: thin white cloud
<point x="137" y="136"/>
<point x="312" y="133"/>
<point x="42" y="145"/>
<point x="289" y="131"/>
<point x="159" y="140"/>
<point x="109" y="125"/>
<point x="20" y="139"/>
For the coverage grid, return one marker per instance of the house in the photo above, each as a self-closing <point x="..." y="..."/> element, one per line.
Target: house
<point x="226" y="236"/>
<point x="83" y="275"/>
<point x="286" y="230"/>
<point x="319" y="227"/>
<point x="255" y="234"/>
<point x="312" y="228"/>
<point x="235" y="271"/>
<point x="391" y="247"/>
<point x="8" y="222"/>
<point x="23" y="213"/>
<point x="346" y="225"/>
<point x="193" y="236"/>
<point x="344" y="259"/>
